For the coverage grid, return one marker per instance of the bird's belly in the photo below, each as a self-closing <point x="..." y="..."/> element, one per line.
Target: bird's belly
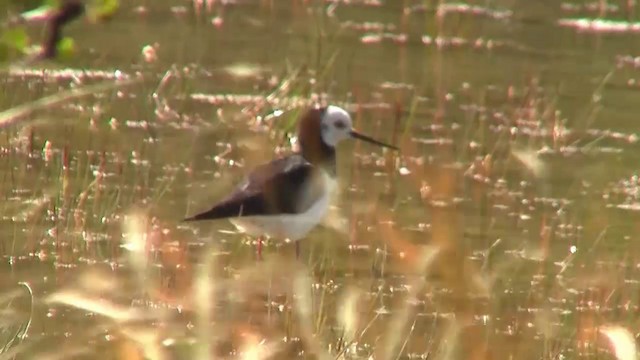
<point x="285" y="226"/>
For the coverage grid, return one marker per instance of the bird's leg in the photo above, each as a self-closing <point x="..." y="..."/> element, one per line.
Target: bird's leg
<point x="259" y="248"/>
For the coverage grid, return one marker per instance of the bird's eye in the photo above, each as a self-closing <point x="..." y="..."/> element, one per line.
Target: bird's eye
<point x="340" y="124"/>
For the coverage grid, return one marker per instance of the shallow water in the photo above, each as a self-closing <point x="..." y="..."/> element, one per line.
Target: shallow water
<point x="518" y="162"/>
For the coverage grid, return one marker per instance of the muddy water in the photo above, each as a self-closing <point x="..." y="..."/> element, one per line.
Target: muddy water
<point x="517" y="123"/>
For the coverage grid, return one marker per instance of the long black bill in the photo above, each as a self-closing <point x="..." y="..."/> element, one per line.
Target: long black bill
<point x="359" y="136"/>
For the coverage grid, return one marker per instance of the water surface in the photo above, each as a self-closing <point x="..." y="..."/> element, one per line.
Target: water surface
<point x="518" y="161"/>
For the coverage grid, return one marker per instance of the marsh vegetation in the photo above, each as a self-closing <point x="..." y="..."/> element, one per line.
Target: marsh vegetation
<point x="505" y="228"/>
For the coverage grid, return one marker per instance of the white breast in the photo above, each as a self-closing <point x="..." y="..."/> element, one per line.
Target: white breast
<point x="290" y="226"/>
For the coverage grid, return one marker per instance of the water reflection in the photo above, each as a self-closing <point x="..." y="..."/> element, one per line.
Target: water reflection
<point x="517" y="170"/>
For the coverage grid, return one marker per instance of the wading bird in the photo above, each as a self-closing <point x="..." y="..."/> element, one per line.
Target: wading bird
<point x="288" y="197"/>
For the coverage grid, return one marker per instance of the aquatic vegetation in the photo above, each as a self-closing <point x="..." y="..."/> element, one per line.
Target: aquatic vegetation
<point x="505" y="227"/>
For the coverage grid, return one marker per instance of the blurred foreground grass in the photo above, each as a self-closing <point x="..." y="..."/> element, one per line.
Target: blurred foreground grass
<point x="504" y="229"/>
<point x="459" y="283"/>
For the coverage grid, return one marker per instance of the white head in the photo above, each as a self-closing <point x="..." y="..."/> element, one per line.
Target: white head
<point x="335" y="125"/>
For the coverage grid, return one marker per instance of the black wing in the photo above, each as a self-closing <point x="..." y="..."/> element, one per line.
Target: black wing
<point x="270" y="189"/>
